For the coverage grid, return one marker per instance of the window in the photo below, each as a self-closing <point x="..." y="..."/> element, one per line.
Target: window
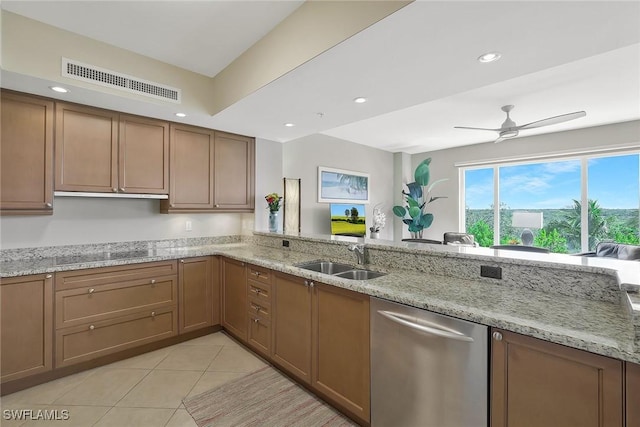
<point x="550" y="196"/>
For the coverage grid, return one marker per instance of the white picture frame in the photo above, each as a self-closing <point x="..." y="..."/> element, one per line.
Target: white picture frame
<point x="342" y="186"/>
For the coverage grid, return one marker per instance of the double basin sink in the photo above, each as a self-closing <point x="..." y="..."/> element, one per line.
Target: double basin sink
<point x="337" y="269"/>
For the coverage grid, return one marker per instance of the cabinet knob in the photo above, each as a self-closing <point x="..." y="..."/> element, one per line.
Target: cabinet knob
<point x="256" y="320"/>
<point x="48" y="276"/>
<point x="256" y="307"/>
<point x="172" y="205"/>
<point x="91" y="328"/>
<point x="306" y="283"/>
<point x="311" y="284"/>
<point x="182" y="261"/>
<point x="217" y="206"/>
<point x="497" y="336"/>
<point x="153" y="314"/>
<point x="91" y="290"/>
<point x="153" y="281"/>
<point x="122" y="189"/>
<point x="114" y="189"/>
<point x="49" y="205"/>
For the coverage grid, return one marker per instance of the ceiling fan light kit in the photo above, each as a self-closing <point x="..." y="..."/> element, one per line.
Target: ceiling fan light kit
<point x="509" y="128"/>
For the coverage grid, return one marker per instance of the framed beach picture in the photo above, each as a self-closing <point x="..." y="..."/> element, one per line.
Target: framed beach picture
<point x="342" y="186"/>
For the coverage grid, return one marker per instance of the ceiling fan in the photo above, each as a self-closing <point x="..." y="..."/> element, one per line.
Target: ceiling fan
<point x="509" y="129"/>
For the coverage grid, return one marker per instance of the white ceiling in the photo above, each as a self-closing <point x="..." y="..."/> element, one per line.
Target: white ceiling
<point x="417" y="67"/>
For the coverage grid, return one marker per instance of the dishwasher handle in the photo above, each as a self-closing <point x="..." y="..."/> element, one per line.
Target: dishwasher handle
<point x="454" y="335"/>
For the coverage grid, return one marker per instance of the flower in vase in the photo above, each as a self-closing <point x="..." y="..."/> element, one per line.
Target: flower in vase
<point x="273" y="202"/>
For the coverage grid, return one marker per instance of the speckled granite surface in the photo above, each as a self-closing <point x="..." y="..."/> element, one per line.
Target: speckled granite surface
<point x="601" y="326"/>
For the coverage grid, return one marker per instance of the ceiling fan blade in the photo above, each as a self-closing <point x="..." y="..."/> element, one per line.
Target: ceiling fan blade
<point x="554" y="120"/>
<point x="465" y="127"/>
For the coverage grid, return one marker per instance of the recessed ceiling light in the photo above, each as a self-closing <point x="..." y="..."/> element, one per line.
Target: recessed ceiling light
<point x="489" y="57"/>
<point x="289" y="125"/>
<point x="360" y="100"/>
<point x="181" y="115"/>
<point x="58" y="89"/>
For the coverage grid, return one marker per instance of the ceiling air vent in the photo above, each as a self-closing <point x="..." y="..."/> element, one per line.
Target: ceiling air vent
<point x="100" y="76"/>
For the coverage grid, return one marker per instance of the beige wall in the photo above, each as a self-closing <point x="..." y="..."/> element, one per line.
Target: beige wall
<point x="446" y="211"/>
<point x="301" y="159"/>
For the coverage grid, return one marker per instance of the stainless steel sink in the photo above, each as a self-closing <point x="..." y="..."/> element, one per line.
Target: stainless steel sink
<point x="337" y="269"/>
<point x="326" y="267"/>
<point x="359" y="274"/>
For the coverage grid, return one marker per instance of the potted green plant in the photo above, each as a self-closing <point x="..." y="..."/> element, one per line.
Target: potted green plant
<point x="417" y="197"/>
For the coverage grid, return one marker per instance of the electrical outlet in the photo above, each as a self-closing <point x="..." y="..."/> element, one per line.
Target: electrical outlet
<point x="492" y="272"/>
<point x="188" y="226"/>
<point x="285" y="243"/>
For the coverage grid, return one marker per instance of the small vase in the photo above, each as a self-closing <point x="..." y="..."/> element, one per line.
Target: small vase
<point x="273" y="222"/>
<point x="416" y="234"/>
<point x="375" y="234"/>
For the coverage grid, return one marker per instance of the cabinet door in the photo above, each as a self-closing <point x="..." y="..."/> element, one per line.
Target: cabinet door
<point x="216" y="292"/>
<point x="26" y="322"/>
<point x="291" y="325"/>
<point x="195" y="293"/>
<point x="86" y="149"/>
<point x="143" y="155"/>
<point x="341" y="369"/>
<point x="234" y="172"/>
<point x="191" y="164"/>
<point x="537" y="383"/>
<point x="633" y="394"/>
<point x="234" y="297"/>
<point x="26" y="155"/>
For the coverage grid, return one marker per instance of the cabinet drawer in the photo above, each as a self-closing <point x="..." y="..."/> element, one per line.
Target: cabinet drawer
<point x="108" y="275"/>
<point x="259" y="292"/>
<point x="259" y="308"/>
<point x="259" y="336"/>
<point x="83" y="305"/>
<point x="80" y="343"/>
<point x="260" y="274"/>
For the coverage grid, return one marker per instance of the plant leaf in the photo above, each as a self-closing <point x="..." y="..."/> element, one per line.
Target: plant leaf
<point x="414" y="212"/>
<point x="426" y="220"/>
<point x="412" y="203"/>
<point x="399" y="211"/>
<point x="422" y="173"/>
<point x="415" y="190"/>
<point x="408" y="221"/>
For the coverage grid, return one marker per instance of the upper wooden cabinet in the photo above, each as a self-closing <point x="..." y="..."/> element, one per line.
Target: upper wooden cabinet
<point x="234" y="172"/>
<point x="106" y="152"/>
<point x="26" y="155"/>
<point x="191" y="164"/>
<point x="210" y="171"/>
<point x="538" y="383"/>
<point x="26" y="320"/>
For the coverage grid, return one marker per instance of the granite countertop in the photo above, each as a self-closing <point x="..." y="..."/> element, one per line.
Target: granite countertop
<point x="596" y="326"/>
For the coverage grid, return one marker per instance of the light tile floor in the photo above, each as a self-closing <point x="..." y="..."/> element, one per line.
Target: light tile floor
<point x="145" y="390"/>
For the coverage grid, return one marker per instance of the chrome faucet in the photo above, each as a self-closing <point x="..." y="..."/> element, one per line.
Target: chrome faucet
<point x="359" y="251"/>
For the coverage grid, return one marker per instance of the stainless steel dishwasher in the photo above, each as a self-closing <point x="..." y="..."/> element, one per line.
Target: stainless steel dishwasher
<point x="427" y="370"/>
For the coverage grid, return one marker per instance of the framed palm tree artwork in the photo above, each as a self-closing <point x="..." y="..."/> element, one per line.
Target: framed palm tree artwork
<point x="342" y="186"/>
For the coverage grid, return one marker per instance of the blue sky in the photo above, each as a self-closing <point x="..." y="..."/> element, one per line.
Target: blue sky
<point x="613" y="181"/>
<point x="339" y="208"/>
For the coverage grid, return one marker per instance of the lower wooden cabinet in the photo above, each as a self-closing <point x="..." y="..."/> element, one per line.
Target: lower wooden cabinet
<point x="195" y="293"/>
<point x="291" y="321"/>
<point x="26" y="321"/>
<point x="538" y="383"/>
<point x="259" y="294"/>
<point x="234" y="297"/>
<point x="85" y="342"/>
<point x="341" y="362"/>
<point x="321" y="336"/>
<point x="632" y="388"/>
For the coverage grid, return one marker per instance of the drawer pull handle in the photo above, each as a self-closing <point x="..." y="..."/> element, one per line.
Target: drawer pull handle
<point x="122" y="189"/>
<point x="497" y="336"/>
<point x="91" y="290"/>
<point x="153" y="314"/>
<point x="48" y="276"/>
<point x="91" y="328"/>
<point x="153" y="281"/>
<point x="49" y="205"/>
<point x="256" y="307"/>
<point x="256" y="320"/>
